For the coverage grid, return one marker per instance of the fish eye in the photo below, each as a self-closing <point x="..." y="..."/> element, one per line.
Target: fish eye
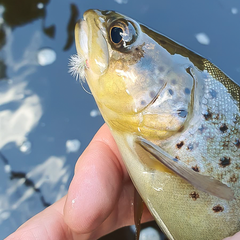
<point x="116" y="34"/>
<point x="122" y="34"/>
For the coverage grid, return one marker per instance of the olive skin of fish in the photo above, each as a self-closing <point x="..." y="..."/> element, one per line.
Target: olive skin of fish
<point x="175" y="118"/>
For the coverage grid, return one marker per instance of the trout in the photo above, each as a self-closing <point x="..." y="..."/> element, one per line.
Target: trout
<point x="175" y="118"/>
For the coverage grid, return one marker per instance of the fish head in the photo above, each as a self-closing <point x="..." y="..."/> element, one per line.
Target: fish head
<point x="104" y="39"/>
<point x="131" y="75"/>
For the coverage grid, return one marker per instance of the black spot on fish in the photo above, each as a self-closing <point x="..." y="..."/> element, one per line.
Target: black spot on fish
<point x="161" y="69"/>
<point x="190" y="147"/>
<point x="223" y="128"/>
<point x="170" y="91"/>
<point x="194" y="195"/>
<point x="182" y="113"/>
<point x="217" y="116"/>
<point x="174" y="81"/>
<point x="187" y="91"/>
<point x="177" y="157"/>
<point x="237" y="143"/>
<point x="218" y="208"/>
<point x="152" y="94"/>
<point x="143" y="102"/>
<point x="196" y="168"/>
<point x="213" y="93"/>
<point x="207" y="115"/>
<point x="179" y="145"/>
<point x="224" y="161"/>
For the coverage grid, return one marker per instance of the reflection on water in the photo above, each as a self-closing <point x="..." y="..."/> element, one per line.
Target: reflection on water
<point x="42" y="179"/>
<point x="95" y="113"/>
<point x="203" y="38"/>
<point x="121" y="1"/>
<point x="19" y="113"/>
<point x="149" y="234"/>
<point x="46" y="56"/>
<point x="25" y="147"/>
<point x="49" y="175"/>
<point x="72" y="145"/>
<point x="234" y="10"/>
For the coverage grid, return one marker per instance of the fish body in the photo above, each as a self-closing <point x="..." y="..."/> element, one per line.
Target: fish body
<point x="175" y="118"/>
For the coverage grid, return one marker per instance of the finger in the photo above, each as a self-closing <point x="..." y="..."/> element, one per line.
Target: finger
<point x="96" y="185"/>
<point x="48" y="224"/>
<point x="234" y="237"/>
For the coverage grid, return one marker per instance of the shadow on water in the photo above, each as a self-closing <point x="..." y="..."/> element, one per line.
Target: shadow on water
<point x="18" y="13"/>
<point x="71" y="25"/>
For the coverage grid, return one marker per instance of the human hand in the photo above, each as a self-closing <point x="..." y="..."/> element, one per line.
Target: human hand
<point x="99" y="200"/>
<point x="234" y="237"/>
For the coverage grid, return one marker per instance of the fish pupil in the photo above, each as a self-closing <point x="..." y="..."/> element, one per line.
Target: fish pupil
<point x="116" y="34"/>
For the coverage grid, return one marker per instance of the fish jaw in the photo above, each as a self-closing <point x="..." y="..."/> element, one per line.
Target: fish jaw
<point x="81" y="36"/>
<point x="91" y="45"/>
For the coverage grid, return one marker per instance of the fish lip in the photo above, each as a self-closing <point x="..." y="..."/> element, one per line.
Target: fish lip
<point x="93" y="43"/>
<point x="83" y="32"/>
<point x="89" y="17"/>
<point x="97" y="17"/>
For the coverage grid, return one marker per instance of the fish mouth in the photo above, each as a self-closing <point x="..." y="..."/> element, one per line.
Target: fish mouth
<point x="85" y="29"/>
<point x="81" y="34"/>
<point x="91" y="43"/>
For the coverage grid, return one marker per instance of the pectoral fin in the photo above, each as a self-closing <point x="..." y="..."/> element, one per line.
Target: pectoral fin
<point x="201" y="182"/>
<point x="138" y="210"/>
